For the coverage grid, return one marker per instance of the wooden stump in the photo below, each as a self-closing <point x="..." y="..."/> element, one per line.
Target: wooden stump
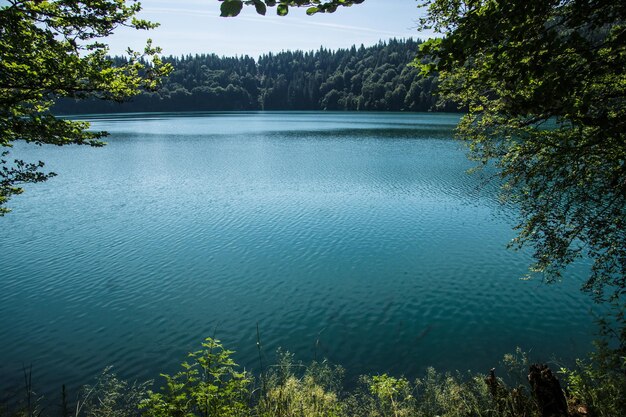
<point x="547" y="391"/>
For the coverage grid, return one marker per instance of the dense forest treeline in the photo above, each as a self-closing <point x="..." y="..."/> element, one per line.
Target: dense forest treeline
<point x="376" y="78"/>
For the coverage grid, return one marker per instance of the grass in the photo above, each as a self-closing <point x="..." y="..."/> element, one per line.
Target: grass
<point x="210" y="383"/>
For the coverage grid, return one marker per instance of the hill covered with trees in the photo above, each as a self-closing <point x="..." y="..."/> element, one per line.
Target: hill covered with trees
<point x="374" y="78"/>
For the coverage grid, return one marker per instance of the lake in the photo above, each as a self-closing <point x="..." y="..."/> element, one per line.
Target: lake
<point x="357" y="237"/>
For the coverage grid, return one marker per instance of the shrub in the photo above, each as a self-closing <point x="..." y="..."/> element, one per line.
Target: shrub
<point x="109" y="397"/>
<point x="597" y="386"/>
<point x="208" y="385"/>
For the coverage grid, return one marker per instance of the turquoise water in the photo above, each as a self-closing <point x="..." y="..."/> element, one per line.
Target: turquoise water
<point x="357" y="237"/>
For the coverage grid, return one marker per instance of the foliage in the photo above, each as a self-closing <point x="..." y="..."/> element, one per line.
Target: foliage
<point x="51" y="49"/>
<point x="597" y="389"/>
<point x="516" y="365"/>
<point x="19" y="172"/>
<point x="231" y="8"/>
<point x="439" y="394"/>
<point x="111" y="397"/>
<point x="374" y="78"/>
<point x="599" y="382"/>
<point x="393" y="395"/>
<point x="312" y="393"/>
<point x="292" y="389"/>
<point x="208" y="385"/>
<point x="545" y="87"/>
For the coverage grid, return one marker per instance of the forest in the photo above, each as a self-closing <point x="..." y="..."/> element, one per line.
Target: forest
<point x="375" y="78"/>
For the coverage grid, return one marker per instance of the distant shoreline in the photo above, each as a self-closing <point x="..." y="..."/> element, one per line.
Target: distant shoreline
<point x="376" y="78"/>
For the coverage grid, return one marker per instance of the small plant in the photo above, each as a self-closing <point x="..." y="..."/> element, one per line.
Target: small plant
<point x="393" y="394"/>
<point x="110" y="397"/>
<point x="208" y="385"/>
<point x="517" y="400"/>
<point x="444" y="394"/>
<point x="27" y="403"/>
<point x="516" y="365"/>
<point x="598" y="386"/>
<point x="311" y="393"/>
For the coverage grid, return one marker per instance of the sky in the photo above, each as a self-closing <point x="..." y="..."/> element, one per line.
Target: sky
<point x="194" y="26"/>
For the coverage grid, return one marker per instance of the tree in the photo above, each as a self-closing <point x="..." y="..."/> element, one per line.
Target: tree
<point x="51" y="49"/>
<point x="545" y="88"/>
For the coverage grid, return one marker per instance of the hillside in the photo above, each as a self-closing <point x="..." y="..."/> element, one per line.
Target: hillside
<point x="375" y="78"/>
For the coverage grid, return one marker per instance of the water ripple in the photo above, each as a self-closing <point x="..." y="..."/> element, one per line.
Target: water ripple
<point x="356" y="237"/>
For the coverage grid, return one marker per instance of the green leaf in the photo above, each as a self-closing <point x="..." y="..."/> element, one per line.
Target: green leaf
<point x="260" y="7"/>
<point x="231" y="8"/>
<point x="282" y="10"/>
<point x="312" y="10"/>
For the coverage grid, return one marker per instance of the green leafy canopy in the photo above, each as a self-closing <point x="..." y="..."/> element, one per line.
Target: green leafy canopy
<point x="231" y="8"/>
